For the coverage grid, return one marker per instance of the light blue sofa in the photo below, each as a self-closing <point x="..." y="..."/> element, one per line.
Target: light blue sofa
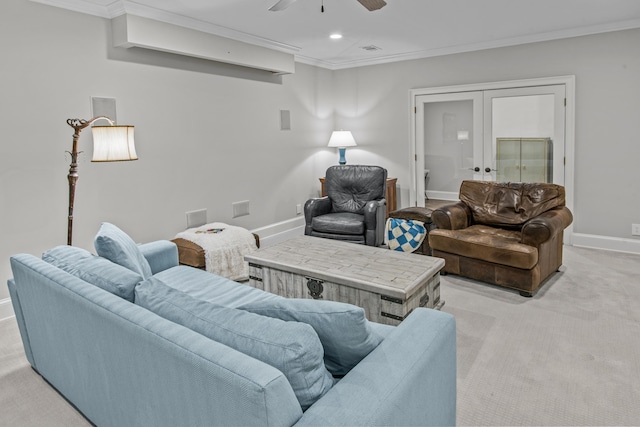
<point x="121" y="364"/>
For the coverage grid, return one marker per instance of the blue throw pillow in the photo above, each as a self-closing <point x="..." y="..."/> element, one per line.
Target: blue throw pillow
<point x="116" y="246"/>
<point x="291" y="347"/>
<point x="94" y="269"/>
<point x="343" y="328"/>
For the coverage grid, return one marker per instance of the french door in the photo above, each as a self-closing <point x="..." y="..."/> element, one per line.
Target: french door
<point x="503" y="134"/>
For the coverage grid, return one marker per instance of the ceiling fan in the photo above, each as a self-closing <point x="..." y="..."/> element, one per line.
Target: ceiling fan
<point x="371" y="5"/>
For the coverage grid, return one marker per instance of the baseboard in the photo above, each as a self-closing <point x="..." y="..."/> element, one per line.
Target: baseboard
<point x="606" y="243"/>
<point x="6" y="309"/>
<point x="280" y="231"/>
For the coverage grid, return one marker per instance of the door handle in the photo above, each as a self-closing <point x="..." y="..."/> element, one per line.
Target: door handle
<point x="487" y="170"/>
<point x="476" y="169"/>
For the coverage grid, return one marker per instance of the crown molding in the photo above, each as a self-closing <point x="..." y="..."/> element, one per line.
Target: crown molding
<point x="473" y="47"/>
<point x="120" y="7"/>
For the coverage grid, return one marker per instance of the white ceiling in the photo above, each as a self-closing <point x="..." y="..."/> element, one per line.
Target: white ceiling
<point x="404" y="29"/>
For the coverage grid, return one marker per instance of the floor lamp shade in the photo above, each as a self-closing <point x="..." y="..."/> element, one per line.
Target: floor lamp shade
<point x="113" y="144"/>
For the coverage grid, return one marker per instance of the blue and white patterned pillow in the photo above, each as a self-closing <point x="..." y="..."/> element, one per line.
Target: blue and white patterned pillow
<point x="405" y="235"/>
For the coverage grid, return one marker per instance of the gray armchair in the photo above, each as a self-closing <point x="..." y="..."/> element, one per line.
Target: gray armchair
<point x="354" y="208"/>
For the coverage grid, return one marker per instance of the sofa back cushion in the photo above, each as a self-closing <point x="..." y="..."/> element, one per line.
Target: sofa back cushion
<point x="291" y="347"/>
<point x="116" y="246"/>
<point x="509" y="204"/>
<point x="342" y="328"/>
<point x="93" y="269"/>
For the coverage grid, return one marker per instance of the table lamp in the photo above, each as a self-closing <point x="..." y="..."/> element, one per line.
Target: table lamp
<point x="342" y="139"/>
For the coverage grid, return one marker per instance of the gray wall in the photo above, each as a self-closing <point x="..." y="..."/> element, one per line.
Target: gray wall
<point x="208" y="135"/>
<point x="205" y="138"/>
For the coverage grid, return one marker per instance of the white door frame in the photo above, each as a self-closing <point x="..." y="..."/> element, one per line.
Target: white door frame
<point x="568" y="81"/>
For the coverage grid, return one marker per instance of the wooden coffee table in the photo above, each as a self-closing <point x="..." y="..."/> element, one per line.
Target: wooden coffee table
<point x="387" y="284"/>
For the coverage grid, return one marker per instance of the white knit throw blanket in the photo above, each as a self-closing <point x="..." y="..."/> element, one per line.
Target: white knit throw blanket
<point x="223" y="251"/>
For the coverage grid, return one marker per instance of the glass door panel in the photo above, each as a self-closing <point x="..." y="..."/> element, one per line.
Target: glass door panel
<point x="524" y="134"/>
<point x="450" y="127"/>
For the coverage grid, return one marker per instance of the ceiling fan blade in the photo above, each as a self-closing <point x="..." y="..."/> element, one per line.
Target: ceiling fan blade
<point x="372" y="5"/>
<point x="281" y="5"/>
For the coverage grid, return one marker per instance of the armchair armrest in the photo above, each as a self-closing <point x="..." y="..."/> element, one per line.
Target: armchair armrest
<point x="546" y="225"/>
<point x="409" y="379"/>
<point x="452" y="217"/>
<point x="375" y="212"/>
<point x="316" y="207"/>
<point x="161" y="255"/>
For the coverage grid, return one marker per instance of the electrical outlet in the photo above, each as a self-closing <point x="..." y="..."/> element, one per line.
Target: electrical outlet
<point x="635" y="229"/>
<point x="298" y="209"/>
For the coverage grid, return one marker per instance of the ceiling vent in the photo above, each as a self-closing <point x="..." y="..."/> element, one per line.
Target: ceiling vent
<point x="370" y="48"/>
<point x="135" y="31"/>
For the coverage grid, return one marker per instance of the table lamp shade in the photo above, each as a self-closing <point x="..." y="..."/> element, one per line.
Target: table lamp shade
<point x="113" y="144"/>
<point x="341" y="138"/>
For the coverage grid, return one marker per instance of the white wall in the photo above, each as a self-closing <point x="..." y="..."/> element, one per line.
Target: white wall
<point x="373" y="102"/>
<point x="205" y="138"/>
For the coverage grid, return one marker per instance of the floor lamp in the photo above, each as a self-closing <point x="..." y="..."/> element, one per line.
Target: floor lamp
<point x="110" y="144"/>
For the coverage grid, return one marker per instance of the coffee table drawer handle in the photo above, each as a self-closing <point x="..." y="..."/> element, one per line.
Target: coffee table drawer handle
<point x="315" y="288"/>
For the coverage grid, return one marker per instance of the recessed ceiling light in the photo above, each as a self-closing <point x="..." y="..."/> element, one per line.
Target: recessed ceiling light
<point x="336" y="36"/>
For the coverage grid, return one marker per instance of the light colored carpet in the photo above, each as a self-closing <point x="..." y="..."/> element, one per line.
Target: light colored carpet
<point x="568" y="356"/>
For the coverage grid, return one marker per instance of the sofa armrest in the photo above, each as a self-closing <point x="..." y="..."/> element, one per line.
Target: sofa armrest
<point x="546" y="225"/>
<point x="161" y="255"/>
<point x="452" y="217"/>
<point x="409" y="379"/>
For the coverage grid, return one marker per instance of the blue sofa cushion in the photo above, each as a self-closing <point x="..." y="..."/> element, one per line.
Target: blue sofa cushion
<point x="343" y="329"/>
<point x="291" y="347"/>
<point x="345" y="334"/>
<point x="93" y="269"/>
<point x="116" y="246"/>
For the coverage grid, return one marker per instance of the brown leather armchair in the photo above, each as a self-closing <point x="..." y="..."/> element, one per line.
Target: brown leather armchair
<point x="508" y="234"/>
